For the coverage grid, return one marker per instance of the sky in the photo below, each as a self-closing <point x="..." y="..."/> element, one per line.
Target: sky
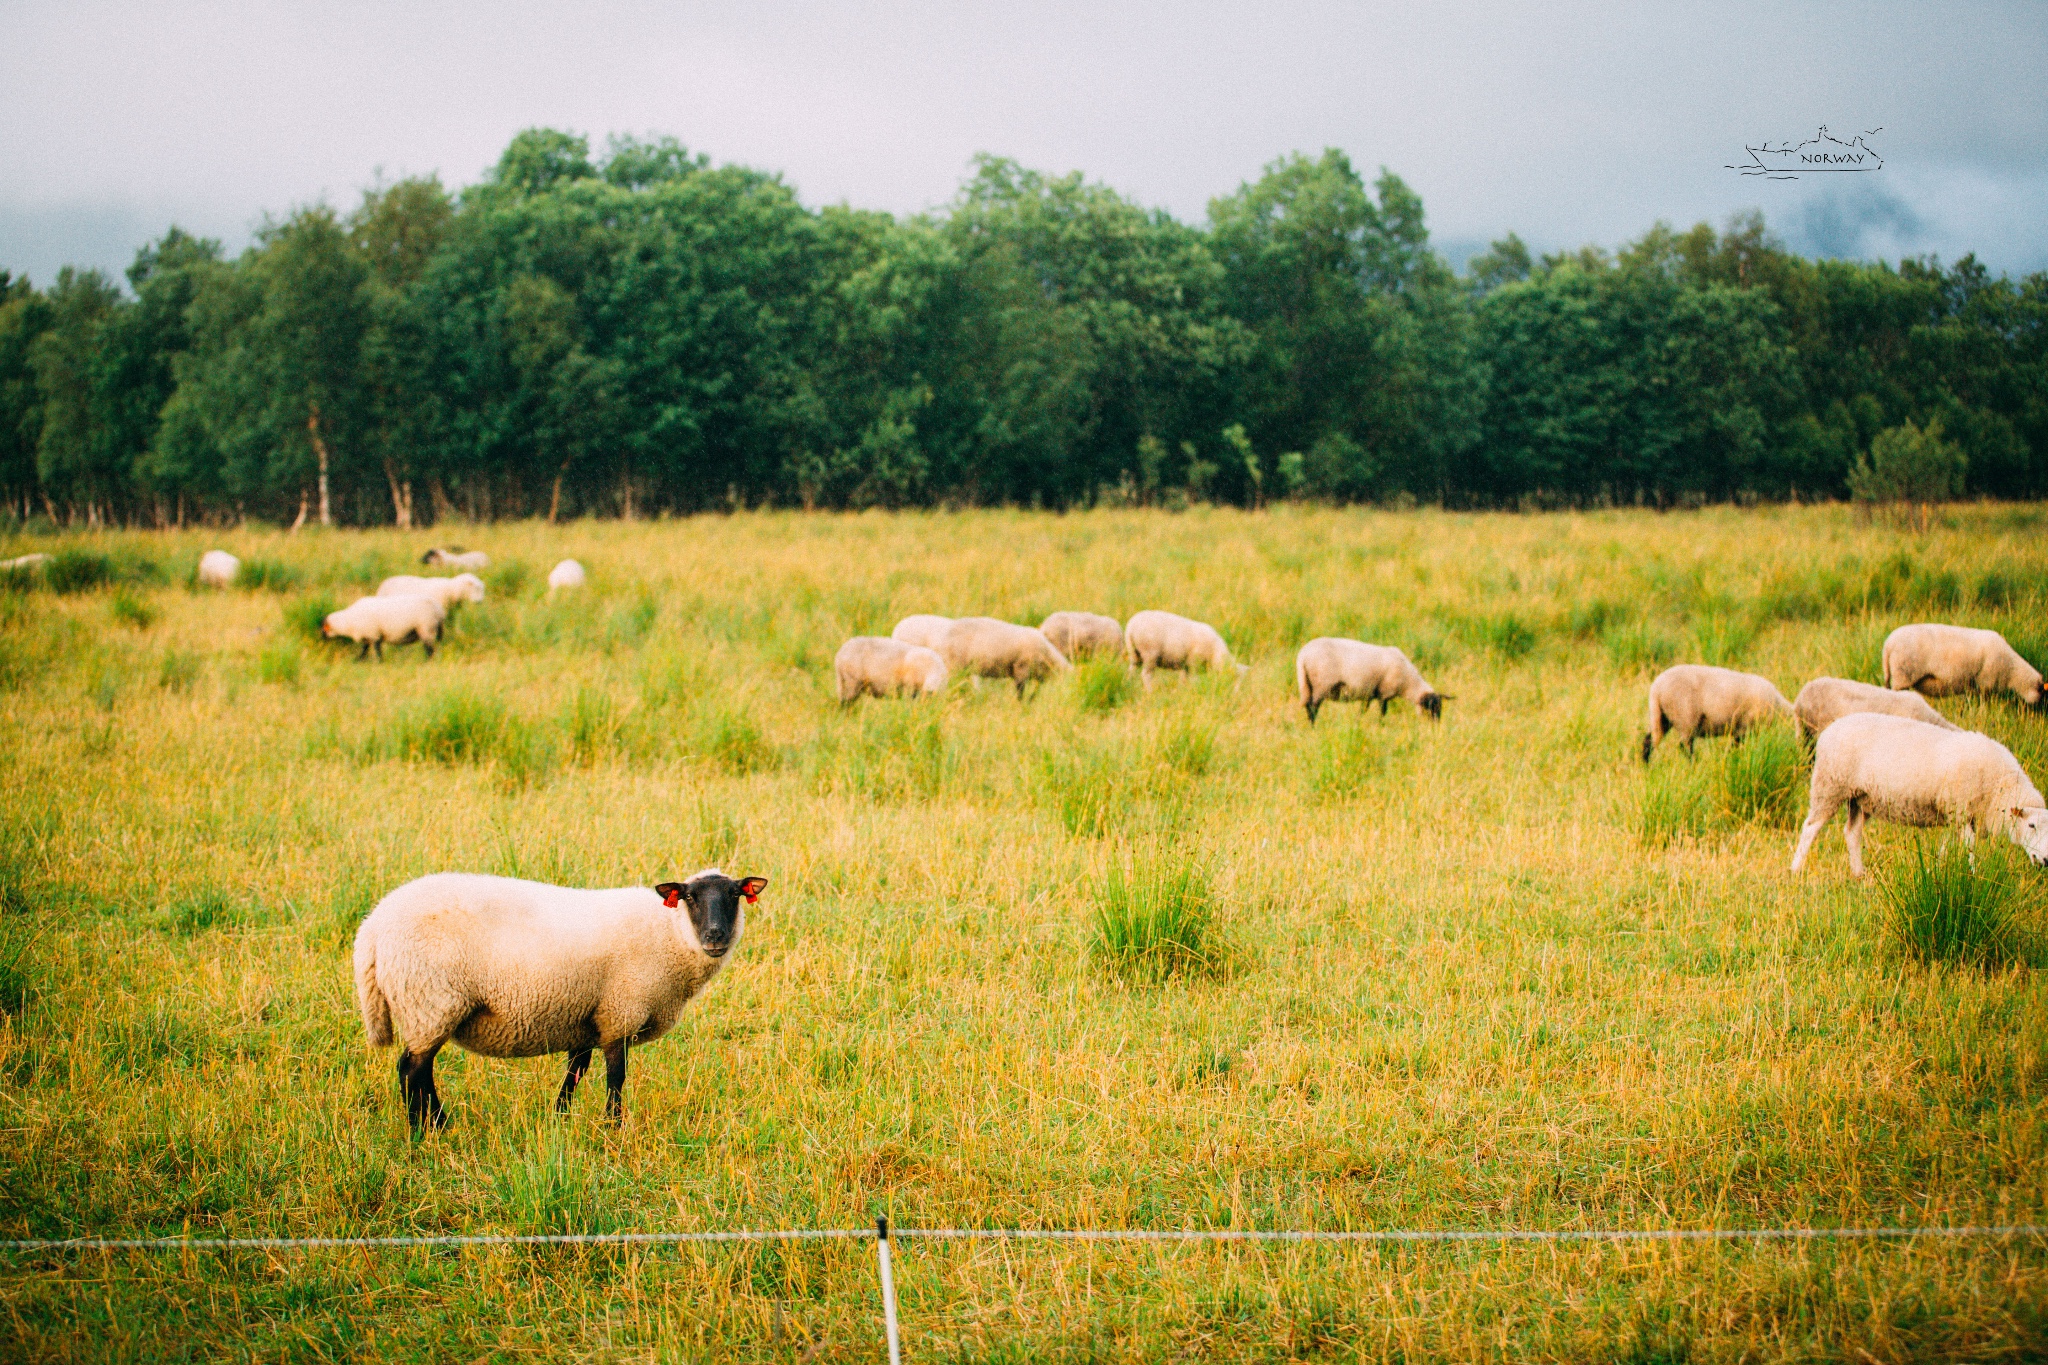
<point x="1566" y="123"/>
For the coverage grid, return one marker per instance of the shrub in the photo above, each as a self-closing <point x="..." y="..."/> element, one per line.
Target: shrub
<point x="132" y="610"/>
<point x="1764" y="778"/>
<point x="1153" y="918"/>
<point x="1951" y="907"/>
<point x="305" y="616"/>
<point x="74" y="570"/>
<point x="1907" y="464"/>
<point x="1104" y="684"/>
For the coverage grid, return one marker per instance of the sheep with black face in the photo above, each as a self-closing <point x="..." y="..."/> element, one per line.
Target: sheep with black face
<point x="509" y="968"/>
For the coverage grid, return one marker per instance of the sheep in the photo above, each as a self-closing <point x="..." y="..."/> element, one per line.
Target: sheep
<point x="372" y="621"/>
<point x="1078" y="634"/>
<point x="567" y="574"/>
<point x="1942" y="660"/>
<point x="922" y="630"/>
<point x="1824" y="701"/>
<point x="1159" y="639"/>
<point x="449" y="592"/>
<point x="509" y="968"/>
<point x="1914" y="774"/>
<point x="456" y="559"/>
<point x="1333" y="669"/>
<point x="22" y="563"/>
<point x="880" y="667"/>
<point x="1697" y="699"/>
<point x="988" y="648"/>
<point x="217" y="569"/>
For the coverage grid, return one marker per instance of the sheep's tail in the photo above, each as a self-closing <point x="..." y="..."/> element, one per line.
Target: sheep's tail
<point x="369" y="995"/>
<point x="1301" y="680"/>
<point x="1653" y="725"/>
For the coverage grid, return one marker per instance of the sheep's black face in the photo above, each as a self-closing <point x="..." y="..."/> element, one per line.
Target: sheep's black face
<point x="714" y="904"/>
<point x="1433" y="703"/>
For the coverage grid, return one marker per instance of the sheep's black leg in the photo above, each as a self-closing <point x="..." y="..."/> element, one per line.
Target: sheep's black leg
<point x="416" y="1080"/>
<point x="579" y="1062"/>
<point x="364" y="652"/>
<point x="614" y="1080"/>
<point x="1383" y="705"/>
<point x="1310" y="707"/>
<point x="380" y="651"/>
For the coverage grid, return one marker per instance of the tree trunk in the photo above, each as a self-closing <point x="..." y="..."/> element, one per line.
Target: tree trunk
<point x="302" y="510"/>
<point x="443" y="508"/>
<point x="555" y="502"/>
<point x="401" y="497"/>
<point x="319" y="449"/>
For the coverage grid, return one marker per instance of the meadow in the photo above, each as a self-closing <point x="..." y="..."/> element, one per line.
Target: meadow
<point x="1105" y="959"/>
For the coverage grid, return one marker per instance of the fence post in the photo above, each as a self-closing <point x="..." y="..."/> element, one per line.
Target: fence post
<point x="888" y="1288"/>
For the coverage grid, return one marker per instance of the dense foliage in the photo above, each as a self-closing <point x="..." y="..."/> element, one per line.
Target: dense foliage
<point x="647" y="331"/>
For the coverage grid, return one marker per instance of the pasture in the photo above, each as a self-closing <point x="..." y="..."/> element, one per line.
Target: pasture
<point x="1108" y="959"/>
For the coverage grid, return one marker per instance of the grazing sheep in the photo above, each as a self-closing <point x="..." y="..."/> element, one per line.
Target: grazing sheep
<point x="217" y="569"/>
<point x="449" y="592"/>
<point x="1943" y="660"/>
<point x="879" y="667"/>
<point x="1333" y="669"/>
<point x="1159" y="639"/>
<point x="927" y="631"/>
<point x="1824" y="701"/>
<point x="509" y="968"/>
<point x="23" y="562"/>
<point x="567" y="574"/>
<point x="1914" y="774"/>
<point x="987" y="648"/>
<point x="372" y="621"/>
<point x="456" y="559"/>
<point x="1078" y="634"/>
<point x="1691" y="700"/>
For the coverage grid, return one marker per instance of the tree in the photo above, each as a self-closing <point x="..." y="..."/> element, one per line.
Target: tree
<point x="24" y="316"/>
<point x="1909" y="465"/>
<point x="78" y="454"/>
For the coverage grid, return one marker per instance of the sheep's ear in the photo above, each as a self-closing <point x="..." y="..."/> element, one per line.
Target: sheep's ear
<point x="671" y="893"/>
<point x="750" y="887"/>
<point x="2019" y="812"/>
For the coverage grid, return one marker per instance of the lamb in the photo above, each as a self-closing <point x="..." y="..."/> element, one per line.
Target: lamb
<point x="988" y="648"/>
<point x="217" y="569"/>
<point x="510" y="968"/>
<point x="922" y="630"/>
<point x="1159" y="639"/>
<point x="1824" y="701"/>
<point x="1697" y="699"/>
<point x="567" y="574"/>
<point x="449" y="592"/>
<point x="456" y="559"/>
<point x="371" y="621"/>
<point x="886" y="668"/>
<point x="1078" y="634"/>
<point x="1333" y="669"/>
<point x="1914" y="774"/>
<point x="1943" y="660"/>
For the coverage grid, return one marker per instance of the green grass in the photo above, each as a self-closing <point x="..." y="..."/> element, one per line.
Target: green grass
<point x="1116" y="958"/>
<point x="1961" y="906"/>
<point x="1104" y="684"/>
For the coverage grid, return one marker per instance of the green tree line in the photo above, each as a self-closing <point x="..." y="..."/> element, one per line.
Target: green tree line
<point x="644" y="331"/>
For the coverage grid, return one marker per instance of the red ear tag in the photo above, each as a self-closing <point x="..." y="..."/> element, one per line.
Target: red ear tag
<point x="671" y="898"/>
<point x="751" y="896"/>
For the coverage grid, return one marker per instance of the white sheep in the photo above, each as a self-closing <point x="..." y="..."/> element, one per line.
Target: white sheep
<point x="984" y="647"/>
<point x="374" y="621"/>
<point x="456" y="559"/>
<point x="1160" y="639"/>
<point x="1911" y="773"/>
<point x="1690" y="700"/>
<point x="217" y="569"/>
<point x="24" y="562"/>
<point x="449" y="592"/>
<point x="1942" y="660"/>
<point x="878" y="667"/>
<point x="1335" y="669"/>
<point x="567" y="574"/>
<point x="509" y="968"/>
<point x="927" y="631"/>
<point x="1824" y="701"/>
<point x="1078" y="634"/>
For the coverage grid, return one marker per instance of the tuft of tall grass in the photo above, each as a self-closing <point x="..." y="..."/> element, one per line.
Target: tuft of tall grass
<point x="1353" y="759"/>
<point x="547" y="1188"/>
<point x="269" y="575"/>
<point x="1680" y="800"/>
<point x="1764" y="778"/>
<point x="131" y="610"/>
<point x="1638" y="647"/>
<point x="177" y="670"/>
<point x="460" y="727"/>
<point x="1863" y="659"/>
<point x="208" y="908"/>
<point x="1154" y="917"/>
<point x="1089" y="789"/>
<point x="1190" y="747"/>
<point x="1723" y="640"/>
<point x="891" y="753"/>
<point x="18" y="978"/>
<point x="73" y="570"/>
<point x="1102" y="684"/>
<point x="507" y="578"/>
<point x="731" y="738"/>
<point x="279" y="662"/>
<point x="305" y="616"/>
<point x="1957" y="908"/>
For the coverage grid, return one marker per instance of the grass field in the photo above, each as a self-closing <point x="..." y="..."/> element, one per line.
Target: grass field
<point x="1111" y="959"/>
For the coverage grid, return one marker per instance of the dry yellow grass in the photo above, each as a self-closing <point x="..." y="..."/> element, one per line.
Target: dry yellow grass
<point x="1484" y="974"/>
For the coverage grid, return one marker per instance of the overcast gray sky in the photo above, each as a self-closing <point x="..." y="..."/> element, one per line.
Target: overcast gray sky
<point x="1569" y="123"/>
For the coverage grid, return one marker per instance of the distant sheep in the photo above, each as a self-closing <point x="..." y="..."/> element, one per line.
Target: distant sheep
<point x="1159" y="639"/>
<point x="456" y="559"/>
<point x="1334" y="669"/>
<point x="1914" y="774"/>
<point x="509" y="968"/>
<point x="23" y="562"/>
<point x="984" y="647"/>
<point x="873" y="666"/>
<point x="1079" y="634"/>
<point x="217" y="569"/>
<point x="1943" y="660"/>
<point x="1691" y="700"/>
<point x="567" y="574"/>
<point x="449" y="592"/>
<point x="376" y="621"/>
<point x="927" y="631"/>
<point x="1824" y="701"/>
